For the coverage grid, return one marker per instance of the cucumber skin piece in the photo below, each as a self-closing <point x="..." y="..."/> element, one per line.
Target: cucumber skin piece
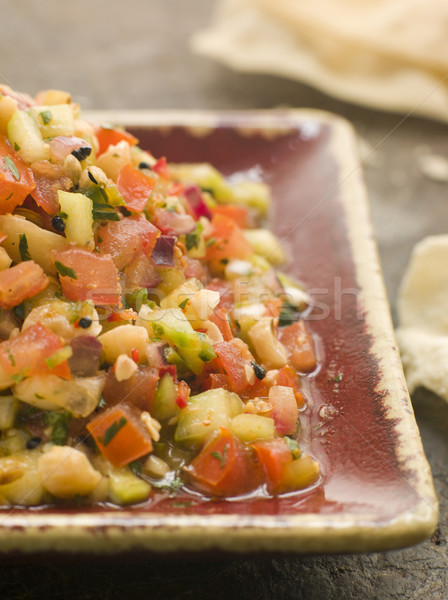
<point x="204" y="414"/>
<point x="24" y="133"/>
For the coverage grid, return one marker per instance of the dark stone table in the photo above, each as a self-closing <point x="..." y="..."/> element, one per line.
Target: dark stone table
<point x="134" y="54"/>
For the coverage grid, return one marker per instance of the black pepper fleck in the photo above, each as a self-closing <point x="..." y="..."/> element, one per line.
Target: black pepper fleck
<point x="259" y="370"/>
<point x="82" y="153"/>
<point x="58" y="223"/>
<point x="33" y="443"/>
<point x="84" y="322"/>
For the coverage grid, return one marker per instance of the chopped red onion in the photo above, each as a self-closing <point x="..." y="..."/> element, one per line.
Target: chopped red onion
<point x="62" y="145"/>
<point x="155" y="354"/>
<point x="172" y="223"/>
<point x="163" y="253"/>
<point x="196" y="200"/>
<point x="85" y="359"/>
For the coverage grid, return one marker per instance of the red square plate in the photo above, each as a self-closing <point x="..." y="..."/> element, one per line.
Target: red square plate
<point x="376" y="490"/>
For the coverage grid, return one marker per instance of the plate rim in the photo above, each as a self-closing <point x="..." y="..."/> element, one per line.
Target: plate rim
<point x="122" y="530"/>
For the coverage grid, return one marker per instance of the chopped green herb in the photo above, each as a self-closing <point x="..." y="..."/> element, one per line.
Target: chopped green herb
<point x="17" y="377"/>
<point x="23" y="247"/>
<point x="293" y="447"/>
<point x="207" y="354"/>
<point x="46" y="116"/>
<point x="11" y="358"/>
<point x="288" y="315"/>
<point x="6" y="199"/>
<point x="210" y="242"/>
<point x="158" y="329"/>
<point x="12" y="167"/>
<point x="58" y="421"/>
<point x="64" y="271"/>
<point x="62" y="214"/>
<point x="224" y="261"/>
<point x="16" y="146"/>
<point x="337" y="378"/>
<point x="112" y="431"/>
<point x="173" y="485"/>
<point x="136" y="467"/>
<point x="184" y="303"/>
<point x="19" y="311"/>
<point x="191" y="241"/>
<point x="58" y="357"/>
<point x="222" y="457"/>
<point x="103" y="212"/>
<point x="38" y="396"/>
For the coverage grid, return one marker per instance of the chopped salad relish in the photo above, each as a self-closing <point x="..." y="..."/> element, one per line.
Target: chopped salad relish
<point x="147" y="343"/>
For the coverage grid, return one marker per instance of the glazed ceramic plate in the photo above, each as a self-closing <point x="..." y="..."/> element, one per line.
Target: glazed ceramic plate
<point x="375" y="491"/>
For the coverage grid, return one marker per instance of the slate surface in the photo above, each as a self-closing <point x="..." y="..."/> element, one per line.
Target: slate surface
<point x="134" y="54"/>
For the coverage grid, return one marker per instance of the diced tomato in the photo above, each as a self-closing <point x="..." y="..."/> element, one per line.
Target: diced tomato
<point x="119" y="435"/>
<point x="49" y="179"/>
<point x="220" y="317"/>
<point x="238" y="214"/>
<point x="232" y="356"/>
<point x="26" y="354"/>
<point x="272" y="308"/>
<point x="125" y="240"/>
<point x="219" y="380"/>
<point x="285" y="412"/>
<point x="183" y="393"/>
<point x="226" y="241"/>
<point x="135" y="187"/>
<point x="273" y="455"/>
<point x="194" y="268"/>
<point x="223" y="467"/>
<point x="161" y="168"/>
<point x="21" y="282"/>
<point x="108" y="137"/>
<point x="16" y="178"/>
<point x="136" y="391"/>
<point x="299" y="344"/>
<point x="85" y="275"/>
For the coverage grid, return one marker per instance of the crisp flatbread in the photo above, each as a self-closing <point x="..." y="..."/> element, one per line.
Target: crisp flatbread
<point x="250" y="37"/>
<point x="423" y="316"/>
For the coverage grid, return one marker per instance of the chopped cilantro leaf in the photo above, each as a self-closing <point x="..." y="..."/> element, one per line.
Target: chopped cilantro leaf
<point x="112" y="431"/>
<point x="64" y="271"/>
<point x="293" y="447"/>
<point x="184" y="303"/>
<point x="221" y="456"/>
<point x="23" y="247"/>
<point x="46" y="116"/>
<point x="58" y="421"/>
<point x="12" y="167"/>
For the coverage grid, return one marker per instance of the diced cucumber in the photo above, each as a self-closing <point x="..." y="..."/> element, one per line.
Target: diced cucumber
<point x="172" y="325"/>
<point x="165" y="406"/>
<point x="24" y="134"/>
<point x="252" y="427"/>
<point x="300" y="473"/>
<point x="184" y="292"/>
<point x="40" y="242"/>
<point x="126" y="488"/>
<point x="78" y="219"/>
<point x="54" y="120"/>
<point x="12" y="444"/>
<point x="252" y="194"/>
<point x="171" y="279"/>
<point x="206" y="176"/>
<point x="265" y="243"/>
<point x="204" y="414"/>
<point x="8" y="410"/>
